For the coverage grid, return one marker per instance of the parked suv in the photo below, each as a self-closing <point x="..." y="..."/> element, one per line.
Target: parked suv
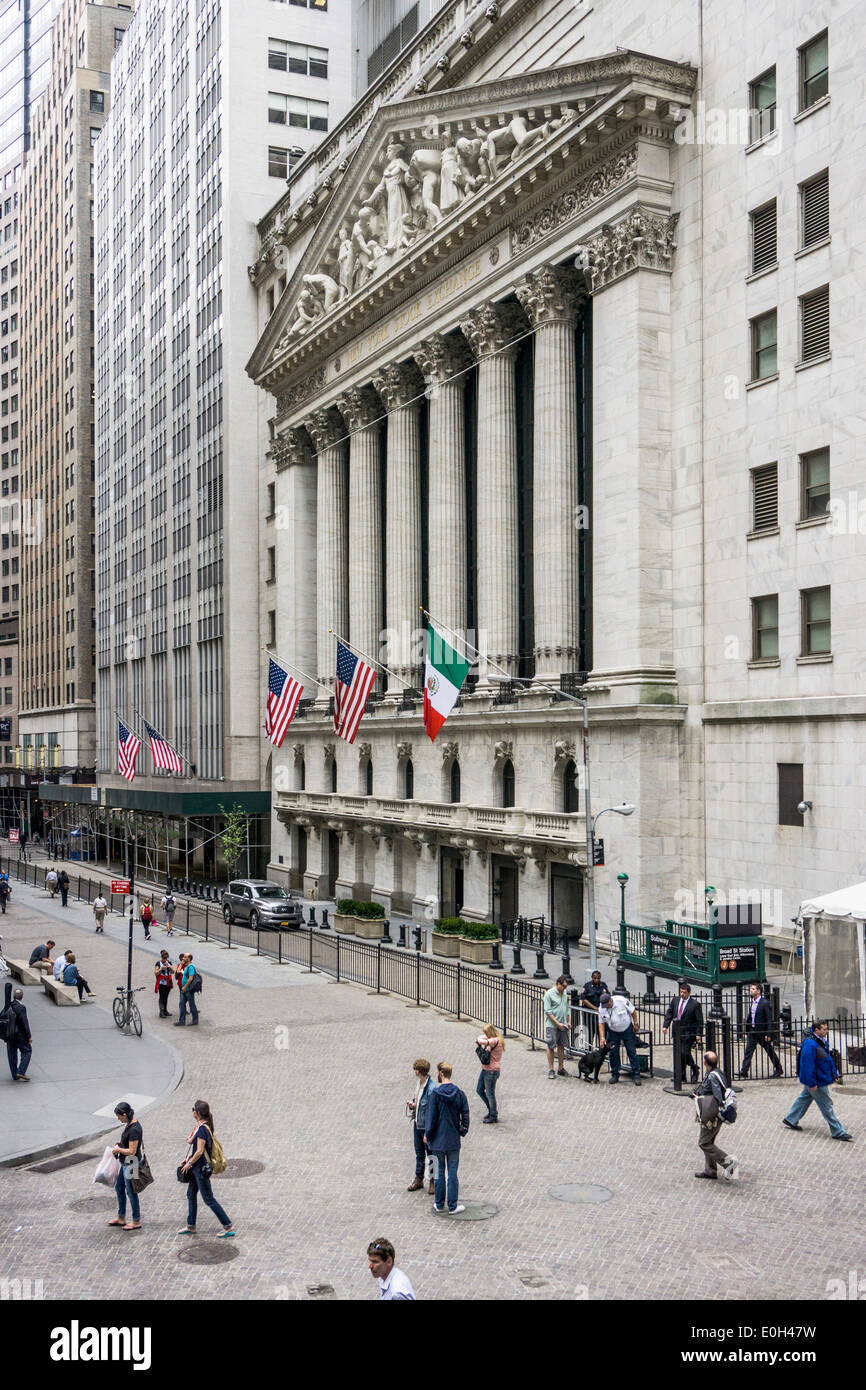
<point x="263" y="905"/>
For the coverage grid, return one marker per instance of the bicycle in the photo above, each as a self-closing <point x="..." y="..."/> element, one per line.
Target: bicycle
<point x="4" y="965"/>
<point x="126" y="1011"/>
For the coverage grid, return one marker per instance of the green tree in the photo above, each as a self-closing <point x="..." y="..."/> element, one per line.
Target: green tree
<point x="234" y="837"/>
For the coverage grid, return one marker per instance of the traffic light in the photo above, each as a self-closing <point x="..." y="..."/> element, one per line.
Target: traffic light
<point x="598" y="853"/>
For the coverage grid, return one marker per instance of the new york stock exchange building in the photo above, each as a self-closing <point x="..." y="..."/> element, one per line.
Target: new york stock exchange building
<point x="498" y="307"/>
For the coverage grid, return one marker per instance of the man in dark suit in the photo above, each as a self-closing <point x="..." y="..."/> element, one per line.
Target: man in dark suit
<point x="690" y="1016"/>
<point x="760" y="1032"/>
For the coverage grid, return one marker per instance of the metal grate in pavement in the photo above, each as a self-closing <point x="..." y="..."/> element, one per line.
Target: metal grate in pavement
<point x="241" y="1168"/>
<point x="53" y="1165"/>
<point x="207" y="1253"/>
<point x="580" y="1192"/>
<point x="321" y="1291"/>
<point x="102" y="1199"/>
<point x="476" y="1211"/>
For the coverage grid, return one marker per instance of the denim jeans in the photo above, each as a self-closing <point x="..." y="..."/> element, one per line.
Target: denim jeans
<point x="199" y="1183"/>
<point x="824" y="1103"/>
<point x="627" y="1039"/>
<point x="420" y="1150"/>
<point x="122" y="1187"/>
<point x="486" y="1089"/>
<point x="449" y="1161"/>
<point x="188" y="999"/>
<point x="83" y="987"/>
<point x="18" y="1067"/>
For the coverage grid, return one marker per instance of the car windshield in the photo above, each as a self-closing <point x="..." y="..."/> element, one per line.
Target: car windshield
<point x="272" y="890"/>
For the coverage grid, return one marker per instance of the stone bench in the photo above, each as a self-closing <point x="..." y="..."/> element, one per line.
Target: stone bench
<point x="60" y="993"/>
<point x="25" y="974"/>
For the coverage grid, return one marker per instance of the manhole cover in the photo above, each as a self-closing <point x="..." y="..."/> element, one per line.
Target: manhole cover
<point x="208" y="1254"/>
<point x="533" y="1278"/>
<point x="103" y="1200"/>
<point x="580" y="1192"/>
<point x="241" y="1168"/>
<point x="476" y="1211"/>
<point x="53" y="1165"/>
<point x="321" y="1291"/>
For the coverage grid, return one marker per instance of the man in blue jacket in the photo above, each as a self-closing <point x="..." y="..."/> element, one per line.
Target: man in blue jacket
<point x="447" y="1124"/>
<point x="817" y="1073"/>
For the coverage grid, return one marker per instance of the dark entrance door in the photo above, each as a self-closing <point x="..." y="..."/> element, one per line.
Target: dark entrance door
<point x="451" y="882"/>
<point x="333" y="862"/>
<point x="566" y="899"/>
<point x="505" y="895"/>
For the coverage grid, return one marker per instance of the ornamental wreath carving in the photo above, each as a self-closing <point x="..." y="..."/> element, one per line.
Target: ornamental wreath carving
<point x="575" y="201"/>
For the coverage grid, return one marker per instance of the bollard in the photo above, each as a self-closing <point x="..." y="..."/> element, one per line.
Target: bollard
<point x="386" y="935"/>
<point x="312" y="917"/>
<point x="402" y="941"/>
<point x="566" y="967"/>
<point x="326" y="926"/>
<point x="676" y="1086"/>
<point x="416" y="932"/>
<point x="540" y="972"/>
<point x="495" y="963"/>
<point x="620" y="975"/>
<point x="651" y="996"/>
<point x="517" y="968"/>
<point x="786" y="1018"/>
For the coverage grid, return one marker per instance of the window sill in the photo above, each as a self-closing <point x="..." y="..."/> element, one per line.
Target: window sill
<point x="759" y="535"/>
<point x="757" y="144"/>
<point x="762" y="381"/>
<point x="810" y="521"/>
<point x="813" y="362"/>
<point x="810" y="110"/>
<point x="759" y="274"/>
<point x="764" y="663"/>
<point x="820" y="660"/>
<point x="815" y="246"/>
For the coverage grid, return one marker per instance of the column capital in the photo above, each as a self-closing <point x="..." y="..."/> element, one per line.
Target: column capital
<point x="399" y="384"/>
<point x="441" y="357"/>
<point x="289" y="449"/>
<point x="491" y="329"/>
<point x="359" y="407"/>
<point x="326" y="428"/>
<point x="643" y="239"/>
<point x="551" y="294"/>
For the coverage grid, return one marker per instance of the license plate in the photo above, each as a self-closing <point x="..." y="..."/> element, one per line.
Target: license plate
<point x="284" y="924"/>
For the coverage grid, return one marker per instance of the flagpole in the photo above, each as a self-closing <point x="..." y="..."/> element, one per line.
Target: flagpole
<point x="372" y="661"/>
<point x="281" y="661"/>
<point x="182" y="756"/>
<point x="479" y="656"/>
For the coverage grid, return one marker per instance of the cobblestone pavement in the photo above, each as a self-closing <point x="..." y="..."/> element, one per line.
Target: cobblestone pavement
<point x="309" y="1078"/>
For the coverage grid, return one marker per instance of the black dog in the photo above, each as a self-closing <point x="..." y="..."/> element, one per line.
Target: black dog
<point x="589" y="1065"/>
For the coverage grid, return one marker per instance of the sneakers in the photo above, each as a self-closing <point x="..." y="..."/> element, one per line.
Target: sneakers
<point x="438" y="1210"/>
<point x="563" y="1072"/>
<point x="452" y="1211"/>
<point x="612" y="1080"/>
<point x="731" y="1169"/>
<point x="845" y="1138"/>
<point x="636" y="1080"/>
<point x="490" y="1120"/>
<point x="789" y="1125"/>
<point x="551" y="1075"/>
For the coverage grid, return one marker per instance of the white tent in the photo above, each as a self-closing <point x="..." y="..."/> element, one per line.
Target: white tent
<point x="834" y="952"/>
<point x="845" y="902"/>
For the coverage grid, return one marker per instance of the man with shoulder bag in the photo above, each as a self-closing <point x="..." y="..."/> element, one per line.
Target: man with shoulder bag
<point x="715" y="1104"/>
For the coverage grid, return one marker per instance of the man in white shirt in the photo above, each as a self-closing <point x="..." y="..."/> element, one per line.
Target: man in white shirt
<point x="100" y="907"/>
<point x="617" y="1018"/>
<point x="394" y="1285"/>
<point x="60" y="965"/>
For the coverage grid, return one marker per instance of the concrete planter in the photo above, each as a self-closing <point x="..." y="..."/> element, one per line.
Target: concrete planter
<point x="344" y="925"/>
<point x="476" y="952"/>
<point x="445" y="944"/>
<point x="368" y="928"/>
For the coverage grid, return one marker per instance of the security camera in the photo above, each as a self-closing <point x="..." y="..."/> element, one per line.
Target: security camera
<point x="803" y="807"/>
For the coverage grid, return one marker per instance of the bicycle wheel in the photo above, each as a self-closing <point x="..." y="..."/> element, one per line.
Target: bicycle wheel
<point x="117" y="1010"/>
<point x="135" y="1018"/>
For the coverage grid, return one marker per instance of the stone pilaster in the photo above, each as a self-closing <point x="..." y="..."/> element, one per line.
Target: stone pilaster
<point x="361" y="410"/>
<point x="400" y="387"/>
<point x="426" y="901"/>
<point x="551" y="297"/>
<point x="294" y="592"/>
<point x="327" y="431"/>
<point x="443" y="360"/>
<point x="490" y="331"/>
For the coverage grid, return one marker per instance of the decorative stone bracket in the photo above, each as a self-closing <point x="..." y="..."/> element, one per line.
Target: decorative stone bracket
<point x="642" y="240"/>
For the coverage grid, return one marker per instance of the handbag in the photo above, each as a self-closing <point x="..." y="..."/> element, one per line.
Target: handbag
<point x="707" y="1108"/>
<point x="483" y="1054"/>
<point x="185" y="1175"/>
<point x="144" y="1177"/>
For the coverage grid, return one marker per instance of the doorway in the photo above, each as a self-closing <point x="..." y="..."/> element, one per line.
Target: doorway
<point x="451" y="882"/>
<point x="566" y="899"/>
<point x="333" y="862"/>
<point x="505" y="894"/>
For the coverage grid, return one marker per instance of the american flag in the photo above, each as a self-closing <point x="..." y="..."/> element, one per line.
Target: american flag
<point x="354" y="680"/>
<point x="161" y="751"/>
<point x="283" y="696"/>
<point x="127" y="751"/>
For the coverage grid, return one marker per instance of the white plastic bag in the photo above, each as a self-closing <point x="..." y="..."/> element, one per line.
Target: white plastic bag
<point x="107" y="1168"/>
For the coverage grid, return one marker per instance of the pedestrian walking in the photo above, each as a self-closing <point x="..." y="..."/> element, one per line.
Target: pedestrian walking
<point x="760" y="1032"/>
<point x="60" y="965"/>
<point x="817" y="1073"/>
<point x="40" y="956"/>
<point x="556" y="1025"/>
<point x="63" y="885"/>
<point x="416" y="1109"/>
<point x="394" y="1285"/>
<point x="100" y="907"/>
<point x="22" y="846"/>
<point x="72" y="976"/>
<point x="164" y="972"/>
<point x="16" y="1033"/>
<point x="712" y="1092"/>
<point x="188" y="981"/>
<point x="490" y="1045"/>
<point x="689" y="1014"/>
<point x="51" y="881"/>
<point x="129" y="1150"/>
<point x="5" y="892"/>
<point x="145" y="913"/>
<point x="447" y="1124"/>
<point x="617" y="1021"/>
<point x="169" y="907"/>
<point x="198" y="1166"/>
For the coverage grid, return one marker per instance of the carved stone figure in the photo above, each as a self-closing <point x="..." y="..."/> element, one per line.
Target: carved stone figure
<point x="325" y="289"/>
<point x="451" y="179"/>
<point x="473" y="164"/>
<point x="307" y="309"/>
<point x="368" y="249"/>
<point x="424" y="167"/>
<point x="347" y="258"/>
<point x="517" y="137"/>
<point x="393" y="192"/>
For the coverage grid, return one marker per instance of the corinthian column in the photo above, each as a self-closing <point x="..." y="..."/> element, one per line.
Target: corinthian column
<point x="361" y="410"/>
<point x="489" y="332"/>
<point x="327" y="431"/>
<point x="400" y="387"/>
<point x="440" y="359"/>
<point x="551" y="297"/>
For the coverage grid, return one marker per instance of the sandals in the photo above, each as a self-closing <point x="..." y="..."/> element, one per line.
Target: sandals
<point x="226" y="1235"/>
<point x="187" y="1231"/>
<point x="132" y="1226"/>
<point x="118" y="1221"/>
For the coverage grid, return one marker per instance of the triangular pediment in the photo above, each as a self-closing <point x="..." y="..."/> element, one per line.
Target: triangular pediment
<point x="427" y="167"/>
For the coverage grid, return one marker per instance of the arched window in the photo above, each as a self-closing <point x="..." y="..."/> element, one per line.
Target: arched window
<point x="409" y="784"/>
<point x="333" y="774"/>
<point x="508" y="783"/>
<point x="569" y="787"/>
<point x="455" y="780"/>
<point x="368" y="777"/>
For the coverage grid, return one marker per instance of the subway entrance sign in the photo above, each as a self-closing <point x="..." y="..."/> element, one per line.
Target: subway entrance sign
<point x="727" y="950"/>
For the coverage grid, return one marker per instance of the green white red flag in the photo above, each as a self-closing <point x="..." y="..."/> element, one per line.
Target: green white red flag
<point x="445" y="670"/>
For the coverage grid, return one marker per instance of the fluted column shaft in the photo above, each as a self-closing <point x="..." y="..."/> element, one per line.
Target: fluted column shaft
<point x="399" y="387"/>
<point x="551" y="298"/>
<point x="327" y="431"/>
<point x="361" y="409"/>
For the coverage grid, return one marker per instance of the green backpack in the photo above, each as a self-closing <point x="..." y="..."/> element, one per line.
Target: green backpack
<point x="216" y="1156"/>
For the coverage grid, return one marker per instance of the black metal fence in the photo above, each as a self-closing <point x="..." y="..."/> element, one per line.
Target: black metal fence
<point x="534" y="932"/>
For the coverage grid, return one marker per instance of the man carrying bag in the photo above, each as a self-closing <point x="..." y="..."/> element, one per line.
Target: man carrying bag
<point x="714" y="1101"/>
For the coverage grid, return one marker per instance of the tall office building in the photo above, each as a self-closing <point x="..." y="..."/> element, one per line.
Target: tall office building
<point x="25" y="69"/>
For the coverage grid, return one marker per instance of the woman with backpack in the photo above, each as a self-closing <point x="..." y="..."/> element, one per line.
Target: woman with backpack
<point x="63" y="885"/>
<point x="205" y="1157"/>
<point x="489" y="1048"/>
<point x="145" y="912"/>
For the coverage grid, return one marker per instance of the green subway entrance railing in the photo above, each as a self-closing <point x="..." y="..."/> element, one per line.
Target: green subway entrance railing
<point x="692" y="951"/>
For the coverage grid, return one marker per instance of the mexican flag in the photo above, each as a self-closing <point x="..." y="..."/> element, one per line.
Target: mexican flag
<point x="444" y="673"/>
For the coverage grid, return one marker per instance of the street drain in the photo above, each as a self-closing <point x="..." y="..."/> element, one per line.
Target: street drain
<point x="475" y="1211"/>
<point x="532" y="1278"/>
<point x="241" y="1168"/>
<point x="208" y="1254"/>
<point x="53" y="1165"/>
<point x="321" y="1291"/>
<point x="104" y="1200"/>
<point x="580" y="1192"/>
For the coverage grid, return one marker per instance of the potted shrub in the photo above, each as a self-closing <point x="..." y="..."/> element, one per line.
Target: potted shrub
<point x="476" y="942"/>
<point x="356" y="918"/>
<point x="446" y="936"/>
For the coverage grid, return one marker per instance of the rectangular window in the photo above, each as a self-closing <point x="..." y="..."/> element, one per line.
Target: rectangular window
<point x="278" y="163"/>
<point x="278" y="51"/>
<point x="764" y="346"/>
<point x="815" y="324"/>
<point x="94" y="134"/>
<point x="815" y="621"/>
<point x="97" y="101"/>
<point x="790" y="792"/>
<point x="762" y="105"/>
<point x="764" y="237"/>
<point x="765" y="497"/>
<point x="815" y="210"/>
<point x="278" y="108"/>
<point x="814" y="71"/>
<point x="814" y="483"/>
<point x="311" y="4"/>
<point x="765" y="628"/>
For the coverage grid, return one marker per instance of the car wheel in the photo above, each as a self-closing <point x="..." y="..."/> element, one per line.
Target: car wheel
<point x="228" y="915"/>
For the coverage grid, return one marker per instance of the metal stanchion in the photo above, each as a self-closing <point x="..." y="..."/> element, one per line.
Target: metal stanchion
<point x="402" y="941"/>
<point x="495" y="963"/>
<point x="651" y="996"/>
<point x="566" y="965"/>
<point x="540" y="972"/>
<point x="326" y="926"/>
<point x="676" y="1086"/>
<point x="312" y="917"/>
<point x="386" y="939"/>
<point x="518" y="967"/>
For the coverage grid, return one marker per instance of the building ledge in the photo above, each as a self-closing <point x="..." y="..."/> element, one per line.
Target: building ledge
<point x="819" y="659"/>
<point x="761" y="381"/>
<point x="810" y="110"/>
<point x="813" y="362"/>
<point x="762" y="535"/>
<point x="794" y="708"/>
<point x="810" y="521"/>
<point x="807" y="250"/>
